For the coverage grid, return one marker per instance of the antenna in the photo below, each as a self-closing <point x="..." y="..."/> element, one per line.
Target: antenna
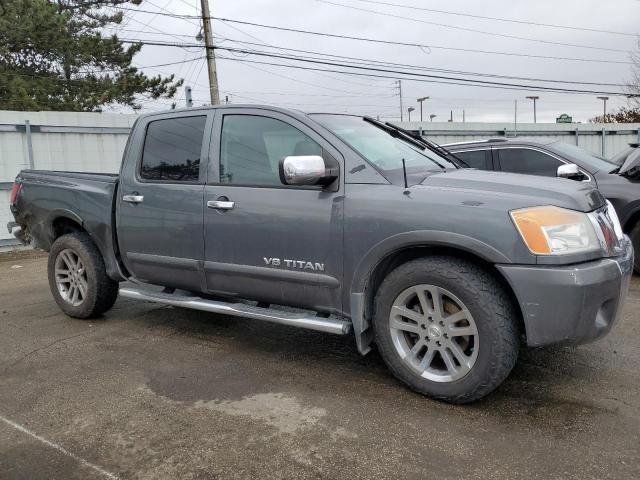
<point x="404" y="172"/>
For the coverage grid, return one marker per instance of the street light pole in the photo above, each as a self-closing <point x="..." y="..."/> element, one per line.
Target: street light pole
<point x="432" y="116"/>
<point x="420" y="100"/>
<point x="604" y="114"/>
<point x="534" y="98"/>
<point x="400" y="94"/>
<point x="409" y="110"/>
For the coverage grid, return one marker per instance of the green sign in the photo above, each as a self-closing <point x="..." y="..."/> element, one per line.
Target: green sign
<point x="564" y="118"/>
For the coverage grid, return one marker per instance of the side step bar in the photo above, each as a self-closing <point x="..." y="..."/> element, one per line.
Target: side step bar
<point x="294" y="319"/>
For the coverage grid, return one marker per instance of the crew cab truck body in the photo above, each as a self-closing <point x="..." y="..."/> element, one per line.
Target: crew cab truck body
<point x="340" y="224"/>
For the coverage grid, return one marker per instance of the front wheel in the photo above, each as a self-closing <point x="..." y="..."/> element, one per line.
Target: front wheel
<point x="77" y="277"/>
<point x="446" y="328"/>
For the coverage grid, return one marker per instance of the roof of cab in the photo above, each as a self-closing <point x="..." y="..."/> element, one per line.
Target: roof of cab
<point x="205" y="108"/>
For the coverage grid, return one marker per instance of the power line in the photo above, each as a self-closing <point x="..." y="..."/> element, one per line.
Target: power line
<point x="387" y="42"/>
<point x="383" y="70"/>
<point x="359" y="67"/>
<point x="364" y="61"/>
<point x="473" y="30"/>
<point x="263" y="44"/>
<point x="498" y="19"/>
<point x="478" y="83"/>
<point x="418" y="45"/>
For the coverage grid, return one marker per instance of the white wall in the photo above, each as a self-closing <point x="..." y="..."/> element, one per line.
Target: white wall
<point x="589" y="135"/>
<point x="72" y="150"/>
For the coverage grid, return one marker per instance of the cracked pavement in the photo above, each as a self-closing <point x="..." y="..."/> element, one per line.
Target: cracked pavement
<point x="151" y="392"/>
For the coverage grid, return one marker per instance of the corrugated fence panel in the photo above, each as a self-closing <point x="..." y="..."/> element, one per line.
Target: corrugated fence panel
<point x="59" y="141"/>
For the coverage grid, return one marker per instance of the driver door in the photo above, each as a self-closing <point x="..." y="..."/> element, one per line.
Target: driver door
<point x="264" y="240"/>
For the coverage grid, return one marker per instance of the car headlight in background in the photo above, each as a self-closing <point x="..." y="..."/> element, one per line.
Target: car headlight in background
<point x="550" y="230"/>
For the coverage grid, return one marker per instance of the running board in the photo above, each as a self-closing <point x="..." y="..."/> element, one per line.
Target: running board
<point x="294" y="319"/>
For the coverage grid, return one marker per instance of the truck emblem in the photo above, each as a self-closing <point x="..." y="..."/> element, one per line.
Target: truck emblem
<point x="294" y="264"/>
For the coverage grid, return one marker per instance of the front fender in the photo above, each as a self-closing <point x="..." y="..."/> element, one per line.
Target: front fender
<point x="421" y="238"/>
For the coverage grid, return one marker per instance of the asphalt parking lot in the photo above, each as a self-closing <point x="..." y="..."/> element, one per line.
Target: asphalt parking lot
<point x="156" y="392"/>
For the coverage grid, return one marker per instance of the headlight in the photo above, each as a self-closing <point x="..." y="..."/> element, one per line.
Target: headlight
<point x="552" y="230"/>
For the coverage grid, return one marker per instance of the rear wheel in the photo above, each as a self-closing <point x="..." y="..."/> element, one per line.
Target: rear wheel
<point x="77" y="277"/>
<point x="446" y="328"/>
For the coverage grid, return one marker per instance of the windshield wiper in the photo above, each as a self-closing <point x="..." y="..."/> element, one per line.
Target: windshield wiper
<point x="434" y="147"/>
<point x="402" y="135"/>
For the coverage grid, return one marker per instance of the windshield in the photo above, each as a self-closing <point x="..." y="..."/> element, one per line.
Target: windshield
<point x="591" y="160"/>
<point x="379" y="147"/>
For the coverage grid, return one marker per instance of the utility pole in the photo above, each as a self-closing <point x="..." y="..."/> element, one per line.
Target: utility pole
<point x="409" y="110"/>
<point x="400" y="92"/>
<point x="211" y="56"/>
<point x="420" y="100"/>
<point x="451" y="116"/>
<point x="534" y="98"/>
<point x="604" y="99"/>
<point x="515" y="117"/>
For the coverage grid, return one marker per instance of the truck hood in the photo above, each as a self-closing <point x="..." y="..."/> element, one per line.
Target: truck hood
<point x="527" y="190"/>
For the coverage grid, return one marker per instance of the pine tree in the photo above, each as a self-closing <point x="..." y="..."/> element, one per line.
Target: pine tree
<point x="54" y="56"/>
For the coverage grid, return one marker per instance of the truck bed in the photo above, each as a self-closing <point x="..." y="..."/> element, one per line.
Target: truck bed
<point x="52" y="200"/>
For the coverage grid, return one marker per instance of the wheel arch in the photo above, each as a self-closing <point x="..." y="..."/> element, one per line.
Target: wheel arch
<point x="369" y="276"/>
<point x="63" y="222"/>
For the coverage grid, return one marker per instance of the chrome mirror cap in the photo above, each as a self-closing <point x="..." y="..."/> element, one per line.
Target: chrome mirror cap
<point x="303" y="170"/>
<point x="569" y="170"/>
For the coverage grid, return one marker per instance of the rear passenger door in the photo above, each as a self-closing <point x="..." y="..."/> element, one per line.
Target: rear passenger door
<point x="528" y="161"/>
<point x="265" y="240"/>
<point x="160" y="210"/>
<point x="476" y="158"/>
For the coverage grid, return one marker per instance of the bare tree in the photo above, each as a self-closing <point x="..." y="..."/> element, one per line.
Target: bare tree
<point x="634" y="86"/>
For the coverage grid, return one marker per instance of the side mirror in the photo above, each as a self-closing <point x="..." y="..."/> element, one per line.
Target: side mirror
<point x="305" y="170"/>
<point x="570" y="171"/>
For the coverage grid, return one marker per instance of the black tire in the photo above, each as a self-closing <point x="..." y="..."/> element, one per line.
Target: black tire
<point x="493" y="312"/>
<point x="101" y="292"/>
<point x="635" y="240"/>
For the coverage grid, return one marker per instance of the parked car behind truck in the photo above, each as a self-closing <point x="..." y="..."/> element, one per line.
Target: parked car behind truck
<point x="252" y="210"/>
<point x="617" y="178"/>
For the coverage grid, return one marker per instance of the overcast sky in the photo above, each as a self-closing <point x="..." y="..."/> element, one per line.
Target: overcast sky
<point x="244" y="82"/>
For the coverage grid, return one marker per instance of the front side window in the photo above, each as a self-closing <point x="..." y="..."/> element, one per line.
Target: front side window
<point x="251" y="148"/>
<point x="475" y="159"/>
<point x="172" y="149"/>
<point x="525" y="160"/>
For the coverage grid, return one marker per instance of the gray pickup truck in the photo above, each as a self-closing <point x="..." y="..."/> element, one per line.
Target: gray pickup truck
<point x="340" y="224"/>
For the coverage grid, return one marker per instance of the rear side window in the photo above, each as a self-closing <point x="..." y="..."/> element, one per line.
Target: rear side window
<point x="525" y="160"/>
<point x="251" y="148"/>
<point x="475" y="159"/>
<point x="172" y="149"/>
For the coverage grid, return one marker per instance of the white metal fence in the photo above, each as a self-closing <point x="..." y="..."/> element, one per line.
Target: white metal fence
<point x="57" y="141"/>
<point x="95" y="142"/>
<point x="603" y="139"/>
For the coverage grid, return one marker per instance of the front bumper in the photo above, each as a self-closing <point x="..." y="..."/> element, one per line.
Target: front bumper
<point x="571" y="304"/>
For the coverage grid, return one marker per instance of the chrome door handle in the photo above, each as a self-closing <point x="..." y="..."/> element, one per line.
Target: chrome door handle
<point x="220" y="204"/>
<point x="133" y="198"/>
